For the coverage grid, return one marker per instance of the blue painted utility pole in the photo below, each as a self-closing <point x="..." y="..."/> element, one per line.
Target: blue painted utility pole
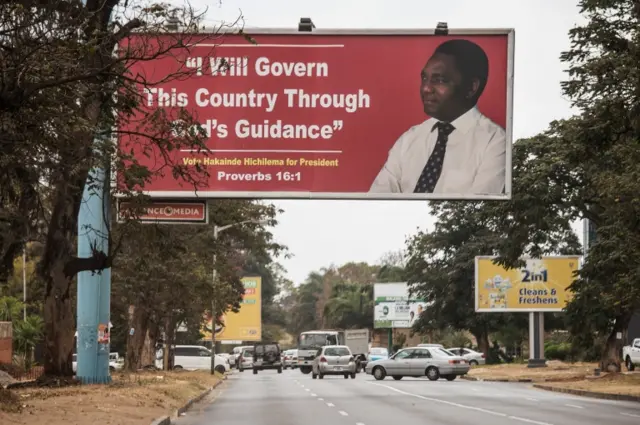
<point x="94" y="290"/>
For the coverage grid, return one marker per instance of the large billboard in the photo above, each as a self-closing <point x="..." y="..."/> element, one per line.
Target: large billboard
<point x="246" y="324"/>
<point x="337" y="114"/>
<point x="542" y="285"/>
<point x="393" y="307"/>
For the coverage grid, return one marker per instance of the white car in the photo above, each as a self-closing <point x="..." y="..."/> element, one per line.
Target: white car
<point x="474" y="358"/>
<point x="631" y="355"/>
<point x="194" y="357"/>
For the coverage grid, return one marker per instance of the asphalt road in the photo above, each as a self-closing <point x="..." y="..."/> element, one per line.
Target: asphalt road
<point x="292" y="398"/>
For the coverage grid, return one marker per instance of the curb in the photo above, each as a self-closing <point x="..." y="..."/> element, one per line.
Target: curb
<point x="471" y="378"/>
<point x="166" y="420"/>
<point x="592" y="394"/>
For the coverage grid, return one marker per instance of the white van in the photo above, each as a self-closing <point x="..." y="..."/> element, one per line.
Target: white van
<point x="194" y="357"/>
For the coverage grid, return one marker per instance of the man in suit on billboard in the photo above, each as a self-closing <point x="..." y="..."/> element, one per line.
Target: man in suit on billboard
<point x="458" y="150"/>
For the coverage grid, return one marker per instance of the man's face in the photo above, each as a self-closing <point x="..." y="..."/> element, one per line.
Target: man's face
<point x="443" y="93"/>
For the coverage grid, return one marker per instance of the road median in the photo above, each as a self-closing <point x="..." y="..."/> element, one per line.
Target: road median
<point x="132" y="399"/>
<point x="519" y="372"/>
<point x="624" y="387"/>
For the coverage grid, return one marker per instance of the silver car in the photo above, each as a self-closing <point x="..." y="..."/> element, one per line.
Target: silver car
<point x="334" y="360"/>
<point x="432" y="362"/>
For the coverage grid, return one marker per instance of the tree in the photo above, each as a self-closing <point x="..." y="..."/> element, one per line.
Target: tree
<point x="441" y="263"/>
<point x="164" y="272"/>
<point x="56" y="98"/>
<point x="590" y="165"/>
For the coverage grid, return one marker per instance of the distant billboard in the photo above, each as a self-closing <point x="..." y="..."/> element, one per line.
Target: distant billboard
<point x="348" y="114"/>
<point x="393" y="308"/>
<point x="246" y="324"/>
<point x="542" y="285"/>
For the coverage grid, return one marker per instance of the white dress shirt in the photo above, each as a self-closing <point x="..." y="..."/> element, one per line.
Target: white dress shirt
<point x="474" y="162"/>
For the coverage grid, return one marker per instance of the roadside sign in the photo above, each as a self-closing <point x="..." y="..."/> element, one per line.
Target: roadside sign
<point x="541" y="285"/>
<point x="166" y="212"/>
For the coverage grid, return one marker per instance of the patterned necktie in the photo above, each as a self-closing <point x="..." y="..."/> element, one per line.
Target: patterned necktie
<point x="431" y="172"/>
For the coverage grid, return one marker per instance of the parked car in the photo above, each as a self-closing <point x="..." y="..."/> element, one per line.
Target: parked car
<point x="474" y="358"/>
<point x="631" y="355"/>
<point x="432" y="362"/>
<point x="245" y="361"/>
<point x="194" y="357"/>
<point x="334" y="360"/>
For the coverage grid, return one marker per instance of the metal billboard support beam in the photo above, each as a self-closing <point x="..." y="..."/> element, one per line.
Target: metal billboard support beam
<point x="536" y="340"/>
<point x="94" y="289"/>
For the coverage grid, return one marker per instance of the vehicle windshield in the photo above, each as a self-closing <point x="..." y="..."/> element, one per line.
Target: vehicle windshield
<point x="313" y="340"/>
<point x="336" y="351"/>
<point x="441" y="352"/>
<point x="379" y="352"/>
<point x="261" y="349"/>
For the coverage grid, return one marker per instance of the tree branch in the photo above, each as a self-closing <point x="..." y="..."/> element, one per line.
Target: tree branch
<point x="97" y="262"/>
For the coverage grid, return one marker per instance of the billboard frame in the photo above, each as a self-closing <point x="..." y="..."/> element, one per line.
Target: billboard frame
<point x="516" y="310"/>
<point x="507" y="194"/>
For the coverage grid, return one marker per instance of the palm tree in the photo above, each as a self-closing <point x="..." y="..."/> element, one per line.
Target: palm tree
<point x="26" y="334"/>
<point x="10" y="309"/>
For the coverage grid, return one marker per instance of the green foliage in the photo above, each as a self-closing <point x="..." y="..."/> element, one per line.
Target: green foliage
<point x="10" y="309"/>
<point x="166" y="270"/>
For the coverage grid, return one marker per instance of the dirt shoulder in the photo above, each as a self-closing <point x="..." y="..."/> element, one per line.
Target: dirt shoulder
<point x="617" y="384"/>
<point x="555" y="371"/>
<point x="132" y="399"/>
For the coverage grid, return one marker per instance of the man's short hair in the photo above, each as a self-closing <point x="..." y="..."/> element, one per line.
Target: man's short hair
<point x="471" y="60"/>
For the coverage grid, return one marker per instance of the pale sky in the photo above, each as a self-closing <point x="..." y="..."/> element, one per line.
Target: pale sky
<point x="321" y="233"/>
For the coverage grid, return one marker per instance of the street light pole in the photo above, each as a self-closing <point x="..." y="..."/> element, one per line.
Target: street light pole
<point x="214" y="316"/>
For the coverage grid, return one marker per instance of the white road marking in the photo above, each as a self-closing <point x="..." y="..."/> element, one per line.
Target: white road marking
<point x="475" y="389"/>
<point x="307" y="389"/>
<point x="462" y="406"/>
<point x="528" y="420"/>
<point x="626" y="414"/>
<point x="313" y="395"/>
<point x="532" y="399"/>
<point x="331" y="405"/>
<point x="321" y="399"/>
<point x="343" y="413"/>
<point x="359" y="423"/>
<point x="575" y="406"/>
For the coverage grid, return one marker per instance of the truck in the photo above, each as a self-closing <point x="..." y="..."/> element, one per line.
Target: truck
<point x="631" y="355"/>
<point x="311" y="342"/>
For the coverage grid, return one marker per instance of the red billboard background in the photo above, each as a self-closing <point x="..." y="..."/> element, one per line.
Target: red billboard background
<point x="385" y="67"/>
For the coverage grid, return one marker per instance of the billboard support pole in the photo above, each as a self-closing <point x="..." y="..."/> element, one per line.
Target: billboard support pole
<point x="536" y="340"/>
<point x="94" y="289"/>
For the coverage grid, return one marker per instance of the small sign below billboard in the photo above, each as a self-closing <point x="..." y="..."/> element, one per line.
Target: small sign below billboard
<point x="166" y="212"/>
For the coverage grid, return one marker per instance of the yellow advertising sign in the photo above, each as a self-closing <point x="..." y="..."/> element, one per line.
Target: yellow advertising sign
<point x="541" y="285"/>
<point x="246" y="324"/>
